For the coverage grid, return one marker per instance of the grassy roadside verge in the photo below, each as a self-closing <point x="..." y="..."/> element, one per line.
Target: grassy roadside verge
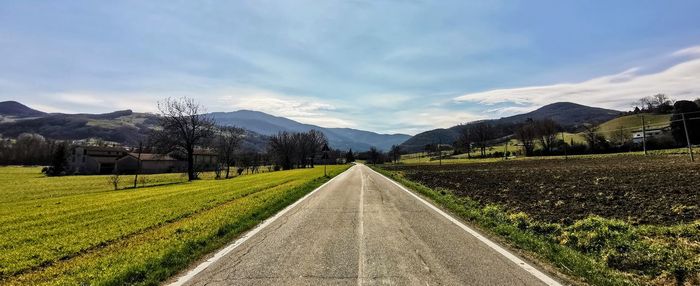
<point x="152" y="256"/>
<point x="497" y="221"/>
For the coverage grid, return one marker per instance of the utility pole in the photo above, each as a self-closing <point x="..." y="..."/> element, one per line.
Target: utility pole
<point x="644" y="135"/>
<point x="505" y="152"/>
<point x="566" y="156"/>
<point x="439" y="150"/>
<point x="687" y="138"/>
<point x="324" y="157"/>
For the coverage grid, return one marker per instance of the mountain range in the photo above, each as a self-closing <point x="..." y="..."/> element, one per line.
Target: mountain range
<point x="568" y="115"/>
<point x="127" y="127"/>
<point x="340" y="138"/>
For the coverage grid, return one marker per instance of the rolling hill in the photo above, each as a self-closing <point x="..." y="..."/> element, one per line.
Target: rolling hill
<point x="128" y="127"/>
<point x="631" y="123"/>
<point x="14" y="109"/>
<point x="567" y="114"/>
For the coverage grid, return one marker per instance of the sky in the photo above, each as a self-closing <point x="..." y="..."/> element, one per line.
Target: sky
<point x="387" y="66"/>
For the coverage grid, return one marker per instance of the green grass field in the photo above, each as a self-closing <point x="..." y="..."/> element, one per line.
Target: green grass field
<point x="631" y="123"/>
<point x="78" y="230"/>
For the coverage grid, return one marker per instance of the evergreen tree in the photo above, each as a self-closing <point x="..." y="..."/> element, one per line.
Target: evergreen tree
<point x="59" y="161"/>
<point x="349" y="157"/>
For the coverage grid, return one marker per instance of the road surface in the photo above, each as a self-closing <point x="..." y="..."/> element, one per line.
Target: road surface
<point x="363" y="229"/>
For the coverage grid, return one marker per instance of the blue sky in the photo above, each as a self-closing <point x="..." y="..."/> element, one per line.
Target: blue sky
<point x="386" y="66"/>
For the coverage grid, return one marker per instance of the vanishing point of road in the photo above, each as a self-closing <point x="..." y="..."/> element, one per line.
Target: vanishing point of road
<point x="361" y="228"/>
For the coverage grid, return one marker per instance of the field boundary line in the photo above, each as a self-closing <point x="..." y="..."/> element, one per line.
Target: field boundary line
<point x="507" y="254"/>
<point x="228" y="249"/>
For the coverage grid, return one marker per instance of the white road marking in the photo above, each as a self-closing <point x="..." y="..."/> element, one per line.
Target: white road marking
<point x="361" y="233"/>
<point x="187" y="277"/>
<point x="522" y="264"/>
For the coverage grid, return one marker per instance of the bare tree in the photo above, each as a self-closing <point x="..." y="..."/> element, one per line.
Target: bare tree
<point x="227" y="142"/>
<point x="483" y="132"/>
<point x="395" y="153"/>
<point x="314" y="142"/>
<point x="375" y="156"/>
<point x="282" y="148"/>
<point x="656" y="103"/>
<point x="661" y="99"/>
<point x="526" y="134"/>
<point x="620" y="137"/>
<point x="183" y="126"/>
<point x="547" y="130"/>
<point x="646" y="103"/>
<point x="114" y="180"/>
<point x="595" y="141"/>
<point x="464" y="140"/>
<point x="308" y="144"/>
<point x="288" y="149"/>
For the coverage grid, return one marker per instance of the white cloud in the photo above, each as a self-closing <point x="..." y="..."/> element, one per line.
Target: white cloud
<point x="83" y="99"/>
<point x="509" y="110"/>
<point x="302" y="109"/>
<point x="384" y="100"/>
<point x="616" y="91"/>
<point x="97" y="101"/>
<point x="687" y="52"/>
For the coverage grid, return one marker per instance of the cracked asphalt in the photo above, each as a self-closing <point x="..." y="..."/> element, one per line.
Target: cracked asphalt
<point x="361" y="229"/>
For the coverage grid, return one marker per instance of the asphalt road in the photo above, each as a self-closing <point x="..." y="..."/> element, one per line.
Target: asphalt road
<point x="362" y="229"/>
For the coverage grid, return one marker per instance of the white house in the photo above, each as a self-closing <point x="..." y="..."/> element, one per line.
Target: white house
<point x="655" y="133"/>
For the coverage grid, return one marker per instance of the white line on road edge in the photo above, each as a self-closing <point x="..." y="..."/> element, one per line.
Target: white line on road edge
<point x="187" y="277"/>
<point x="524" y="265"/>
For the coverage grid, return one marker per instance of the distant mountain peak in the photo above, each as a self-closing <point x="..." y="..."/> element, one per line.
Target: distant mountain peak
<point x="16" y="109"/>
<point x="567" y="114"/>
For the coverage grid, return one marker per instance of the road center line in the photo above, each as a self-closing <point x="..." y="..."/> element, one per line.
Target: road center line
<point x="361" y="233"/>
<point x="522" y="264"/>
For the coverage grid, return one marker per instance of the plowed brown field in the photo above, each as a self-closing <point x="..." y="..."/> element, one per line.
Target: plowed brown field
<point x="638" y="189"/>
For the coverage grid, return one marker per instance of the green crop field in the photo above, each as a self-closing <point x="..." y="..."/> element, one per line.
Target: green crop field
<point x="77" y="230"/>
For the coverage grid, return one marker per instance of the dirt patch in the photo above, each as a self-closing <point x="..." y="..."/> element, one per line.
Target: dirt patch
<point x="637" y="189"/>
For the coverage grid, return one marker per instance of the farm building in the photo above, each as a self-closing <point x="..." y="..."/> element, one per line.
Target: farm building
<point x="94" y="160"/>
<point x="656" y="133"/>
<point x="205" y="160"/>
<point x="90" y="160"/>
<point x="150" y="163"/>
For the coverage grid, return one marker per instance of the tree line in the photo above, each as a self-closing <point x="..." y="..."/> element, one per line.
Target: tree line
<point x="541" y="137"/>
<point x="183" y="128"/>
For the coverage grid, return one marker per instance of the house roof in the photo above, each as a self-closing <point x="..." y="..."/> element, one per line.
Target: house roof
<point x="152" y="157"/>
<point x="665" y="128"/>
<point x="102" y="148"/>
<point x="204" y="152"/>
